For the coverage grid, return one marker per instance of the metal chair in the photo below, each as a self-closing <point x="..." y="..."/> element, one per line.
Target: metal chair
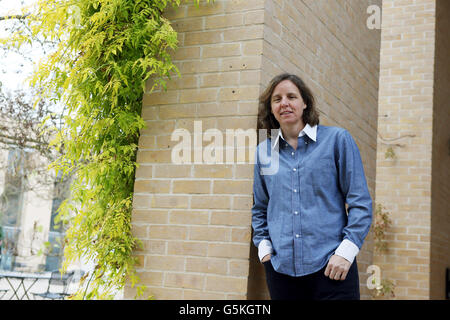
<point x="57" y="279"/>
<point x="2" y="293"/>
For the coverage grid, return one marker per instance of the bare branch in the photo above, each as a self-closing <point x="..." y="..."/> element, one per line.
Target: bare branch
<point x="15" y="17"/>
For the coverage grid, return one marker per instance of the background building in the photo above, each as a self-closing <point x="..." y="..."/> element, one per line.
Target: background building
<point x="413" y="117"/>
<point x="28" y="210"/>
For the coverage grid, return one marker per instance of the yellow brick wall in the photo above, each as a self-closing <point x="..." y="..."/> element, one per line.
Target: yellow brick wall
<point x="440" y="187"/>
<point x="194" y="219"/>
<point x="328" y="44"/>
<point x="403" y="184"/>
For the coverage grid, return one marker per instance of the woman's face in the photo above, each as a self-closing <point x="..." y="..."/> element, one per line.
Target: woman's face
<point x="287" y="104"/>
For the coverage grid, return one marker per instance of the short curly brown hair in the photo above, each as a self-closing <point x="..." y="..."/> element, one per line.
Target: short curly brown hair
<point x="266" y="119"/>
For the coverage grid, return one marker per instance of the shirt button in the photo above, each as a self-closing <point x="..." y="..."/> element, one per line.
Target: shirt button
<point x="295" y="190"/>
<point x="306" y="142"/>
<point x="294" y="169"/>
<point x="295" y="212"/>
<point x="297" y="235"/>
<point x="292" y="153"/>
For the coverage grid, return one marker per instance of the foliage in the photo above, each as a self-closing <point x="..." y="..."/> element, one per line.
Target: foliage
<point x="22" y="132"/>
<point x="390" y="153"/>
<point x="21" y="122"/>
<point x="386" y="287"/>
<point x="107" y="50"/>
<point x="381" y="224"/>
<point x="380" y="227"/>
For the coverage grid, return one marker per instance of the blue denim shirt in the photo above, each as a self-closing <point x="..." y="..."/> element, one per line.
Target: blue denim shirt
<point x="300" y="199"/>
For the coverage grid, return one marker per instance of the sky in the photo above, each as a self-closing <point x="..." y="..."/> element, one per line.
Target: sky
<point x="13" y="67"/>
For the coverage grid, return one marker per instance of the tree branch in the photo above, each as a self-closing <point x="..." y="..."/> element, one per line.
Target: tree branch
<point x="15" y="17"/>
<point x="15" y="138"/>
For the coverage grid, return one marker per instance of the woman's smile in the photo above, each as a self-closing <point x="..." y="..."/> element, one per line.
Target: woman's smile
<point x="286" y="113"/>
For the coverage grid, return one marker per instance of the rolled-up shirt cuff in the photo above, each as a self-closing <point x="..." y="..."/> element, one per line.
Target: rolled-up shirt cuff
<point x="347" y="250"/>
<point x="264" y="248"/>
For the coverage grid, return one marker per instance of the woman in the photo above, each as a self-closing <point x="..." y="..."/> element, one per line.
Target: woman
<point x="306" y="238"/>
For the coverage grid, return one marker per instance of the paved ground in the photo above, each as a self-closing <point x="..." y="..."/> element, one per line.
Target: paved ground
<point x="39" y="287"/>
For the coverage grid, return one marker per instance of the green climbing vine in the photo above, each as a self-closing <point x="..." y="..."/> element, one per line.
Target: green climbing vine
<point x="106" y="52"/>
<point x="381" y="225"/>
<point x="382" y="217"/>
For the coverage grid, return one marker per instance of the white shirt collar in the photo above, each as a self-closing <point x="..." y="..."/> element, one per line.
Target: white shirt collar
<point x="308" y="130"/>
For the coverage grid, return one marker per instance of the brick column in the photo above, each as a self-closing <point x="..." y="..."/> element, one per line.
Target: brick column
<point x="440" y="176"/>
<point x="195" y="219"/>
<point x="406" y="118"/>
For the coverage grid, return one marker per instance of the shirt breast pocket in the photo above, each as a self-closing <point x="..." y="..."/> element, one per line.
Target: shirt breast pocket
<point x="321" y="173"/>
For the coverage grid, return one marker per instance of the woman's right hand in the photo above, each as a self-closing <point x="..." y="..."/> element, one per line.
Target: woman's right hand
<point x="266" y="258"/>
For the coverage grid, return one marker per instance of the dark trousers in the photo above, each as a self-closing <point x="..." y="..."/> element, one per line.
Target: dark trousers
<point x="315" y="286"/>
